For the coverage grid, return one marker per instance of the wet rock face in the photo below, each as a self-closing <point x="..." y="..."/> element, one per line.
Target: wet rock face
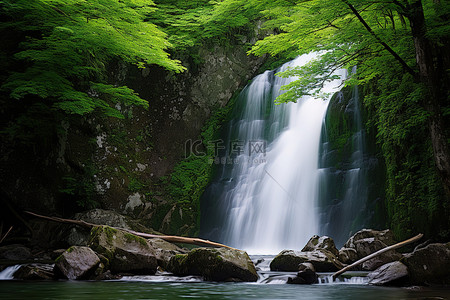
<point x="126" y="253"/>
<point x="215" y="264"/>
<point x="289" y="261"/>
<point x="429" y="265"/>
<point x="393" y="274"/>
<point x="76" y="263"/>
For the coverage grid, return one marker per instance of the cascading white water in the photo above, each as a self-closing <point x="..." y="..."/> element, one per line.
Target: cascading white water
<point x="267" y="200"/>
<point x="7" y="274"/>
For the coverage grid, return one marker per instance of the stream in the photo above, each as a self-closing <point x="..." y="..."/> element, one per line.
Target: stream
<point x="271" y="285"/>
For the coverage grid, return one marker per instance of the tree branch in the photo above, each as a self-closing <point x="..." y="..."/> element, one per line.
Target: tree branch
<point x="378" y="39"/>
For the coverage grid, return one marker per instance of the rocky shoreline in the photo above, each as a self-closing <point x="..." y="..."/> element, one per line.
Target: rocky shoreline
<point x="107" y="253"/>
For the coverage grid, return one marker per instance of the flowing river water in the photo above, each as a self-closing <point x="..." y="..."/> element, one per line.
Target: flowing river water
<point x="271" y="285"/>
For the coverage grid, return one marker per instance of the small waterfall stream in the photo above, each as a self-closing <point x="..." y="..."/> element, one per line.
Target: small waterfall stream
<point x="265" y="200"/>
<point x="8" y="272"/>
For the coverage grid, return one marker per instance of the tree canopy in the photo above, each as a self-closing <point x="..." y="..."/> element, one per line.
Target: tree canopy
<point x="65" y="47"/>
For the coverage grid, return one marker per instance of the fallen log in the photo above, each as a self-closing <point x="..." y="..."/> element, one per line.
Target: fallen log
<point x="392" y="247"/>
<point x="168" y="238"/>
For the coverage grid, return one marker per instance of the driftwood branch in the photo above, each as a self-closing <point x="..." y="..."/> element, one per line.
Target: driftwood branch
<point x="2" y="237"/>
<point x="392" y="247"/>
<point x="168" y="238"/>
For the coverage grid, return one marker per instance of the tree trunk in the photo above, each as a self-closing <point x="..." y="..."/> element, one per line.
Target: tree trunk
<point x="435" y="83"/>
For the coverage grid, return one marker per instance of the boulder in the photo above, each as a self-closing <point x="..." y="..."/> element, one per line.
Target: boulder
<point x="392" y="274"/>
<point x="289" y="261"/>
<point x="35" y="272"/>
<point x="164" y="251"/>
<point x="386" y="236"/>
<point x="348" y="255"/>
<point x="429" y="265"/>
<point x="125" y="252"/>
<point x="380" y="260"/>
<point x="366" y="242"/>
<point x="77" y="262"/>
<point x="306" y="275"/>
<point x="321" y="243"/>
<point x="15" y="252"/>
<point x="216" y="264"/>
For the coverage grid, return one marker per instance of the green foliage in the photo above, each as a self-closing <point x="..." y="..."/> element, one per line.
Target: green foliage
<point x="135" y="185"/>
<point x="194" y="23"/>
<point x="416" y="200"/>
<point x="191" y="176"/>
<point x="66" y="46"/>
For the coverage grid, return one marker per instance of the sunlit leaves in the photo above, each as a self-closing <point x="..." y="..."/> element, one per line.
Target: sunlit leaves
<point x="69" y="43"/>
<point x="332" y="27"/>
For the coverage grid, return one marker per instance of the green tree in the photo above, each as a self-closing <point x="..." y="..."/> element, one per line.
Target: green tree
<point x="62" y="49"/>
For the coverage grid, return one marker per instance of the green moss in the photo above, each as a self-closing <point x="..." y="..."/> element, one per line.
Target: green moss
<point x="134" y="238"/>
<point x="110" y="233"/>
<point x="135" y="184"/>
<point x="415" y="198"/>
<point x="180" y="257"/>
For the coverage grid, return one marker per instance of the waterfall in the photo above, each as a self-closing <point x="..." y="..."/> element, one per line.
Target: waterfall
<point x="264" y="198"/>
<point x="344" y="172"/>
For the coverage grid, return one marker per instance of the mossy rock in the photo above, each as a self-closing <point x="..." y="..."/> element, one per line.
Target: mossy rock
<point x="165" y="251"/>
<point x="215" y="264"/>
<point x="126" y="253"/>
